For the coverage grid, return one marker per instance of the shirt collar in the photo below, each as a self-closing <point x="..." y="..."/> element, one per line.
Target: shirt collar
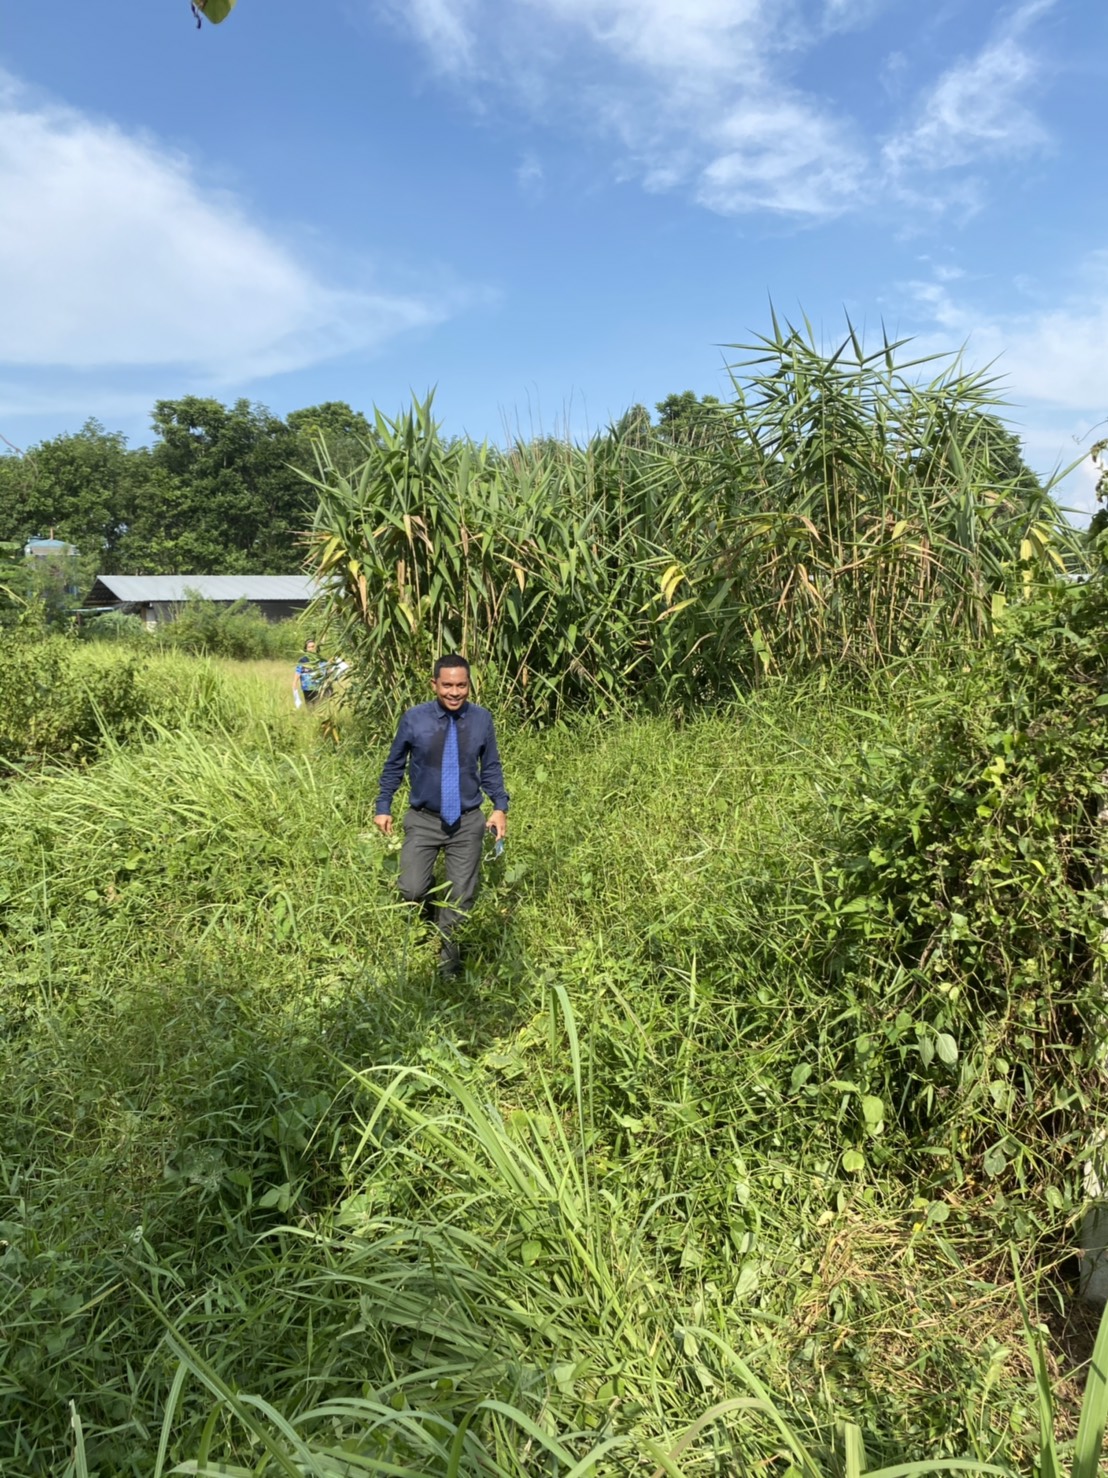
<point x="445" y="712"/>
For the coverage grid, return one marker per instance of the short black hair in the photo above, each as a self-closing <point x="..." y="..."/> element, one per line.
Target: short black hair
<point x="449" y="659"/>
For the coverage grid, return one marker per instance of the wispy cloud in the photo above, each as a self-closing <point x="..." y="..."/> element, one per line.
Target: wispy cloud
<point x="51" y="395"/>
<point x="530" y="175"/>
<point x="1052" y="352"/>
<point x="702" y="95"/>
<point x="1050" y="356"/>
<point x="979" y="107"/>
<point x="781" y="154"/>
<point x="849" y="15"/>
<point x="691" y="91"/>
<point x="444" y="27"/>
<point x="114" y="255"/>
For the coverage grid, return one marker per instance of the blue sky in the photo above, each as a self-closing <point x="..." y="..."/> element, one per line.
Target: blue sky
<point x="548" y="209"/>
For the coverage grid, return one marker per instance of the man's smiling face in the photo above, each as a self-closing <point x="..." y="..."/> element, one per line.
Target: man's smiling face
<point x="451" y="688"/>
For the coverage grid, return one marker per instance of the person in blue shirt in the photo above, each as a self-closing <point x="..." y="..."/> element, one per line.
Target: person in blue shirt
<point x="449" y="748"/>
<point x="310" y="676"/>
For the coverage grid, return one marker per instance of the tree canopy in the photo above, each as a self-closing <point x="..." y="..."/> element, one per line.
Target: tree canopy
<point x="218" y="491"/>
<point x="686" y="420"/>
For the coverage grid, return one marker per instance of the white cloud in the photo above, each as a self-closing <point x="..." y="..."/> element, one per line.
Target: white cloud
<point x="444" y="28"/>
<point x="782" y="155"/>
<point x="1055" y="354"/>
<point x="1050" y="357"/>
<point x="702" y="95"/>
<point x="849" y="15"/>
<point x="691" y="90"/>
<point x="978" y="108"/>
<point x="682" y="40"/>
<point x="113" y="254"/>
<point x="88" y="395"/>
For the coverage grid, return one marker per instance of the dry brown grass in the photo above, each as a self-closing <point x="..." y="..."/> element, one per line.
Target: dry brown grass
<point x="926" y="1314"/>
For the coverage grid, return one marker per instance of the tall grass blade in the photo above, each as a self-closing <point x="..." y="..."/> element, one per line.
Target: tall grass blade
<point x="180" y="1375"/>
<point x="1094" y="1408"/>
<point x="1050" y="1465"/>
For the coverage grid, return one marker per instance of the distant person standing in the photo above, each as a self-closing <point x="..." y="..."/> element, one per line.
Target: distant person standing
<point x="310" y="675"/>
<point x="451" y="744"/>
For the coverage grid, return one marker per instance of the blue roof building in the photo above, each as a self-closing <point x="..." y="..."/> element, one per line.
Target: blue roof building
<point x="49" y="549"/>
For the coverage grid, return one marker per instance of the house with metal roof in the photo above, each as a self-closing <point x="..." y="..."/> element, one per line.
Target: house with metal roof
<point x="51" y="548"/>
<point x="161" y="597"/>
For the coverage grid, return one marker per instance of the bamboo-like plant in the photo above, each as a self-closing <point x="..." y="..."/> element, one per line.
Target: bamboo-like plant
<point x="527" y="560"/>
<point x="865" y="510"/>
<point x="842" y="508"/>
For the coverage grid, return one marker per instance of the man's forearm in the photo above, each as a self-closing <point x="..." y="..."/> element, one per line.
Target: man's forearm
<point x="392" y="773"/>
<point x="492" y="775"/>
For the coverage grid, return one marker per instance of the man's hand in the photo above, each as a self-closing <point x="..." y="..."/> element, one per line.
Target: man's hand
<point x="498" y="822"/>
<point x="383" y="823"/>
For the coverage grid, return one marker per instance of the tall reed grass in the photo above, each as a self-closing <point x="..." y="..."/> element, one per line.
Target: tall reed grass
<point x="848" y="508"/>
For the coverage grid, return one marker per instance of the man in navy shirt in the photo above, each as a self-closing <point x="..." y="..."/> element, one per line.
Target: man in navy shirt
<point x="449" y="746"/>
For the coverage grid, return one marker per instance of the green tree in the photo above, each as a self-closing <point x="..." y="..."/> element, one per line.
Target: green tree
<point x="685" y="420"/>
<point x="999" y="452"/>
<point x="14" y="583"/>
<point x="347" y="433"/>
<point x="1098" y="526"/>
<point x="634" y="428"/>
<point x="219" y="492"/>
<point x="57" y="584"/>
<point x="81" y="485"/>
<point x="986" y="447"/>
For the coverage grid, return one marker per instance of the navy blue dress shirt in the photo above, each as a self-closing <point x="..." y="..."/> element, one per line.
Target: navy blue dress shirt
<point x="419" y="740"/>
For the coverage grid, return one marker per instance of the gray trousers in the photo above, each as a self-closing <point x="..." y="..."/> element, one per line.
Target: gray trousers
<point x="424" y="838"/>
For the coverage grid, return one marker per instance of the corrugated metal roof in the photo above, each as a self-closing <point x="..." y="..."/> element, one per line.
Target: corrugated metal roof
<point x="141" y="589"/>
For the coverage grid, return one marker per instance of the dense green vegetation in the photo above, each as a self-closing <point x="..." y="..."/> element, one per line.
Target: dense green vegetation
<point x="752" y="1138"/>
<point x="755" y="1077"/>
<point x="840" y="511"/>
<point x="204" y="628"/>
<point x="218" y="490"/>
<point x="68" y="700"/>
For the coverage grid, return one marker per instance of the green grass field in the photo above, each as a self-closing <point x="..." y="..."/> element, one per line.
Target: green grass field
<point x="656" y="1188"/>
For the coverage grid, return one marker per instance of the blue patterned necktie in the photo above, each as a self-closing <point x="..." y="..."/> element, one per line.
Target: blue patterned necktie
<point x="450" y="808"/>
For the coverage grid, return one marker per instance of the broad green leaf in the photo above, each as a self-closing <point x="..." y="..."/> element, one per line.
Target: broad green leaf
<point x="946" y="1048"/>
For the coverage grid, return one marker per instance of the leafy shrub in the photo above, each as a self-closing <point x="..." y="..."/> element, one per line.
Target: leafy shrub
<point x="115" y="626"/>
<point x="14" y="584"/>
<point x="59" y="705"/>
<point x="69" y="699"/>
<point x="965" y="907"/>
<point x="238" y="631"/>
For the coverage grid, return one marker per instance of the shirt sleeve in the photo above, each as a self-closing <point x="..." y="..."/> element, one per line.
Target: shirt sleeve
<point x="393" y="772"/>
<point x="492" y="772"/>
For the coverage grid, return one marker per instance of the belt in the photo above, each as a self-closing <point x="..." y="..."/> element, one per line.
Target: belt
<point x="426" y="811"/>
